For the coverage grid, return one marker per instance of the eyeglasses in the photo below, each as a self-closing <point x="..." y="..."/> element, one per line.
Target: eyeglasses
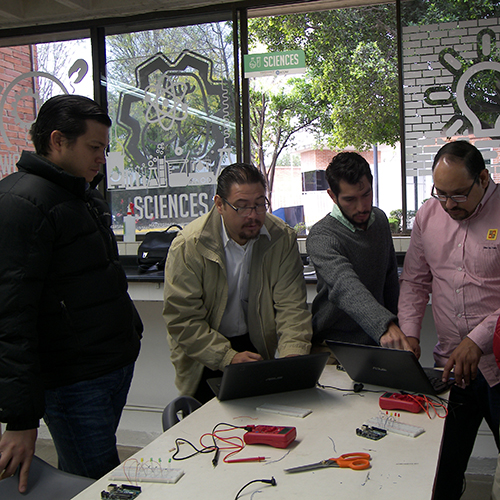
<point x="457" y="198"/>
<point x="260" y="209"/>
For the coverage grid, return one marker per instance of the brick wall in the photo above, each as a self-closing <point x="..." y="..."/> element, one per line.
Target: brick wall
<point x="434" y="58"/>
<point x="320" y="158"/>
<point x="16" y="106"/>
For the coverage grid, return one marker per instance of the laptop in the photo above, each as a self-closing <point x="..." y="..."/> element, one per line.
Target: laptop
<point x="243" y="380"/>
<point x="391" y="368"/>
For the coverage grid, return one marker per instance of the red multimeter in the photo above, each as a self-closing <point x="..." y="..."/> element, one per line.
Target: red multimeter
<point x="397" y="401"/>
<point x="279" y="437"/>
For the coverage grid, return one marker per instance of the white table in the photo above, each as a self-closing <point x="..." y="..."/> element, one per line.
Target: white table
<point x="401" y="467"/>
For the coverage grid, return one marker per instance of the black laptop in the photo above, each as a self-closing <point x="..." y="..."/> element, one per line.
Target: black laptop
<point x="392" y="368"/>
<point x="243" y="380"/>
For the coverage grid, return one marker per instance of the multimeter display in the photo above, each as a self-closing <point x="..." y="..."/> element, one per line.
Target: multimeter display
<point x="279" y="437"/>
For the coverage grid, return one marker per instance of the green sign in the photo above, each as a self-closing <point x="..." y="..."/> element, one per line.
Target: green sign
<point x="274" y="63"/>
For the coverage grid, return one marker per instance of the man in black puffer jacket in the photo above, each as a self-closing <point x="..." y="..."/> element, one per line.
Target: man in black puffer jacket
<point x="69" y="332"/>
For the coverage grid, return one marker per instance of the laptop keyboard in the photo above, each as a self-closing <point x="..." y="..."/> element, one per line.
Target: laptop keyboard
<point x="434" y="377"/>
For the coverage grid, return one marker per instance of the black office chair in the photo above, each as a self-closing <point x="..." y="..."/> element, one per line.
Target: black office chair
<point x="44" y="483"/>
<point x="183" y="405"/>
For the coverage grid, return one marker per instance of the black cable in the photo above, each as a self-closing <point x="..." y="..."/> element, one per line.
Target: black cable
<point x="205" y="449"/>
<point x="178" y="441"/>
<point x="349" y="390"/>
<point x="271" y="481"/>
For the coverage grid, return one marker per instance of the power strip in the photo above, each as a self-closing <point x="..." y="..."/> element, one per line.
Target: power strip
<point x="392" y="425"/>
<point x="137" y="473"/>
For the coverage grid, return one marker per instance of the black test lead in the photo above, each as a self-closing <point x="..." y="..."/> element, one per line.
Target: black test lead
<point x="215" y="460"/>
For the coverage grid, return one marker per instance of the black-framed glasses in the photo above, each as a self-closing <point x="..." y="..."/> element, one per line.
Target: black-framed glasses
<point x="260" y="209"/>
<point x="457" y="198"/>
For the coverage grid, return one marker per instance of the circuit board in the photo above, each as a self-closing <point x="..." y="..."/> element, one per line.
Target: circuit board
<point x="123" y="492"/>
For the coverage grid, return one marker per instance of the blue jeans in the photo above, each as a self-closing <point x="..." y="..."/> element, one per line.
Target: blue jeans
<point x="466" y="410"/>
<point x="82" y="419"/>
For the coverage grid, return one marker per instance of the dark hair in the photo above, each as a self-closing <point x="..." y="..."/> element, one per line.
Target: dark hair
<point x="238" y="173"/>
<point x="68" y="114"/>
<point x="348" y="167"/>
<point x="464" y="151"/>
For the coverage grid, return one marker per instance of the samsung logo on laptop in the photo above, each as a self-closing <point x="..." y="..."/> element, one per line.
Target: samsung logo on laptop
<point x="272" y="379"/>
<point x="379" y="369"/>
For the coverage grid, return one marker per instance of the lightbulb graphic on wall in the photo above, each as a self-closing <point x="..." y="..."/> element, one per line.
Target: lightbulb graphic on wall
<point x="474" y="92"/>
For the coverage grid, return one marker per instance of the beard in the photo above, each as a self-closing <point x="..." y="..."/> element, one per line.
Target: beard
<point x="458" y="214"/>
<point x="250" y="230"/>
<point x="361" y="225"/>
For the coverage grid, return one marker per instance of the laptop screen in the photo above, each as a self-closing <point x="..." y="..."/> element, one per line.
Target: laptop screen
<point x="393" y="368"/>
<point x="257" y="378"/>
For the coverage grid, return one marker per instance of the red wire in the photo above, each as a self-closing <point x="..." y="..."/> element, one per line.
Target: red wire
<point x="234" y="443"/>
<point x="429" y="403"/>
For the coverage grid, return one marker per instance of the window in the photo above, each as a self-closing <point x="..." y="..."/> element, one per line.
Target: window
<point x="29" y="75"/>
<point x="346" y="99"/>
<point x="450" y="66"/>
<point x="171" y="97"/>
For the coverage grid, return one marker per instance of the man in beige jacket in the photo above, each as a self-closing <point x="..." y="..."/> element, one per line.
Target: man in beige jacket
<point x="234" y="286"/>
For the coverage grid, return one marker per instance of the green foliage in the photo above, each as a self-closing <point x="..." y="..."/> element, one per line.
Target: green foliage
<point x="351" y="55"/>
<point x="352" y="78"/>
<point x="420" y="12"/>
<point x="395" y="225"/>
<point x="287" y="159"/>
<point x="300" y="229"/>
<point x="396" y="219"/>
<point x="276" y="115"/>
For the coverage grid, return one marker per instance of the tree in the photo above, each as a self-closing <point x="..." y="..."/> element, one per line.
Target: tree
<point x="127" y="52"/>
<point x="276" y="117"/>
<point x="420" y="12"/>
<point x="351" y="55"/>
<point x="55" y="58"/>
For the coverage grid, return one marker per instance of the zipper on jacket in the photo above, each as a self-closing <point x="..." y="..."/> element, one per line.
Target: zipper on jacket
<point x="104" y="231"/>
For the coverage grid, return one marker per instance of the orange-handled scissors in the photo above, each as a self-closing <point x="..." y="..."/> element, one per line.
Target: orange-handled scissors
<point x="354" y="461"/>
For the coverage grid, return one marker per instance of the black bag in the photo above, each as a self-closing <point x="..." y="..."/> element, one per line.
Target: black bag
<point x="153" y="250"/>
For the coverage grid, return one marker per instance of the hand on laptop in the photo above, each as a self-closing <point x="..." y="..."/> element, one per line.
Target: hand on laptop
<point x="245" y="357"/>
<point x="465" y="359"/>
<point x="394" y="338"/>
<point x="415" y="346"/>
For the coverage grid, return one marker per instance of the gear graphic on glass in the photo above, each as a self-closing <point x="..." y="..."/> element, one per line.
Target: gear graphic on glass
<point x="181" y="110"/>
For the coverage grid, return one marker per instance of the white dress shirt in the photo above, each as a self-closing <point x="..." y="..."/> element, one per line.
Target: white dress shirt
<point x="238" y="259"/>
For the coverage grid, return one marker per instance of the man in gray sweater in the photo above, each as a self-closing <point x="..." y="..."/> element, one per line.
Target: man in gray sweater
<point x="353" y="254"/>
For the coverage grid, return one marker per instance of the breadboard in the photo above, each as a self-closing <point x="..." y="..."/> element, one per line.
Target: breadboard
<point x="147" y="474"/>
<point x="392" y="425"/>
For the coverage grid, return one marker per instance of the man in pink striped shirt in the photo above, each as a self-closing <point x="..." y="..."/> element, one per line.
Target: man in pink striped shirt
<point x="454" y="254"/>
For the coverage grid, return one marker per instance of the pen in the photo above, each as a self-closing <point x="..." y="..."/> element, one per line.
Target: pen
<point x="251" y="459"/>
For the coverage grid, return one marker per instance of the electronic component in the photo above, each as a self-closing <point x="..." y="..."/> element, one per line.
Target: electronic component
<point x="146" y="474"/>
<point x="123" y="492"/>
<point x="392" y="425"/>
<point x="370" y="432"/>
<point x="290" y="411"/>
<point x="279" y="437"/>
<point x="398" y="401"/>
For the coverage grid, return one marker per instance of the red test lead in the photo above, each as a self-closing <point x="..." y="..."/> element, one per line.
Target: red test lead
<point x="250" y="459"/>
